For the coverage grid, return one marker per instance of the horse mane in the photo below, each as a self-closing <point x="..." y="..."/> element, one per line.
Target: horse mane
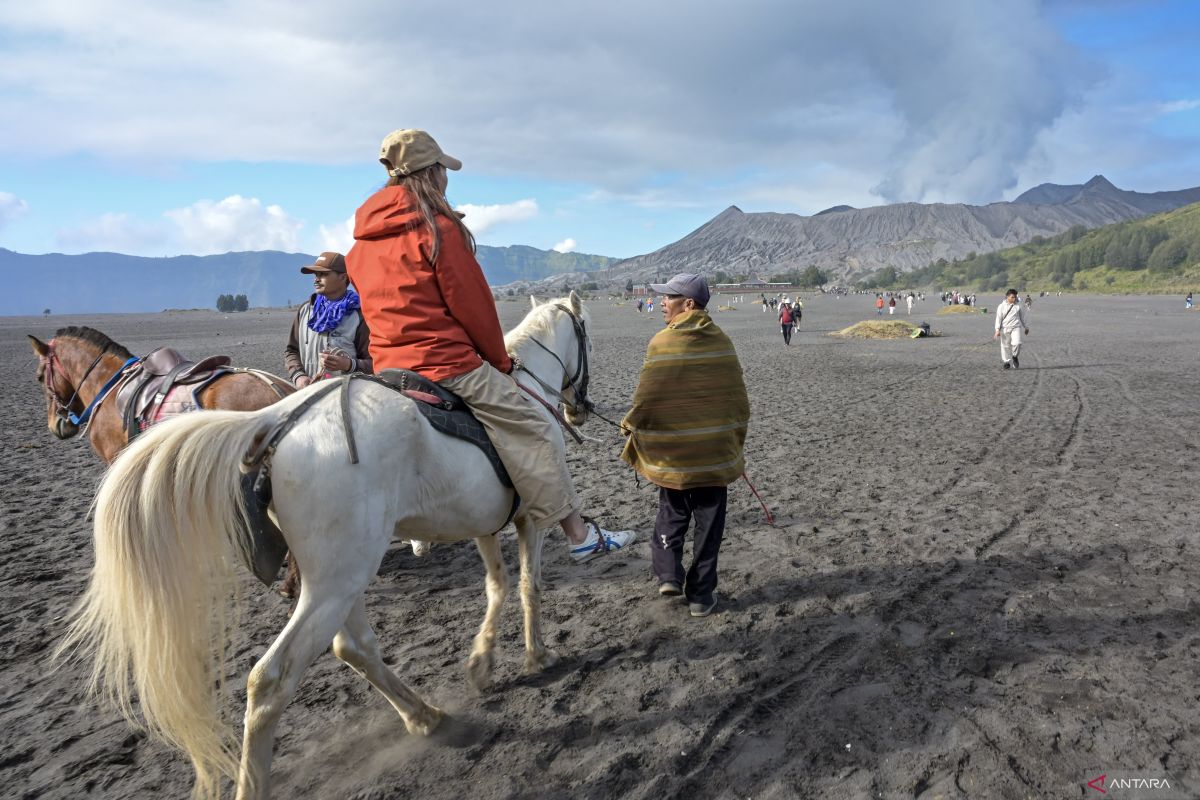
<point x="93" y="337"/>
<point x="535" y="322"/>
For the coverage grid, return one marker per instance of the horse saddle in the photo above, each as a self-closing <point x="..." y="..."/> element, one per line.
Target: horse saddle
<point x="154" y="379"/>
<point x="446" y="412"/>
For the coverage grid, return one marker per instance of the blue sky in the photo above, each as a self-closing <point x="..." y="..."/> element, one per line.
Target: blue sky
<point x="199" y="126"/>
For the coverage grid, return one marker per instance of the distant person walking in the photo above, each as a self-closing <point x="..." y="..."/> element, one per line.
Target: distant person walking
<point x="1188" y="300"/>
<point x="786" y="322"/>
<point x="329" y="335"/>
<point x="1010" y="322"/>
<point x="878" y="305"/>
<point x="909" y="301"/>
<point x="891" y="305"/>
<point x="686" y="431"/>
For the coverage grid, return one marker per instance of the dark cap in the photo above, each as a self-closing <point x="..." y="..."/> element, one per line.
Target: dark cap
<point x="686" y="284"/>
<point x="327" y="262"/>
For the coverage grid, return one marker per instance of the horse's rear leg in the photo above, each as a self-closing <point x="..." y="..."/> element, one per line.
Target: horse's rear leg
<point x="274" y="679"/>
<point x="479" y="665"/>
<point x="357" y="645"/>
<point x="537" y="656"/>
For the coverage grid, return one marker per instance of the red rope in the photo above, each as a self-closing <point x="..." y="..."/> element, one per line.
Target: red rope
<point x="767" y="511"/>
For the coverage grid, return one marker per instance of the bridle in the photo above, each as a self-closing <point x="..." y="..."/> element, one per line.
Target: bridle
<point x="63" y="410"/>
<point x="577" y="382"/>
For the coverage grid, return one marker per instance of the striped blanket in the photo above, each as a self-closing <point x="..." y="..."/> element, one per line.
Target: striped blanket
<point x="690" y="412"/>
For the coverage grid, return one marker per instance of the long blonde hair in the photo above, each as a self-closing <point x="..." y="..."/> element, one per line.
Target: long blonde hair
<point x="431" y="200"/>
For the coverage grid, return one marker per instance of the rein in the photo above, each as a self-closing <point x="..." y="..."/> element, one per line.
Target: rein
<point x="566" y="426"/>
<point x="64" y="409"/>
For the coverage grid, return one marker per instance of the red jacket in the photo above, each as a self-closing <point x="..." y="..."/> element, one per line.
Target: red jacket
<point x="435" y="320"/>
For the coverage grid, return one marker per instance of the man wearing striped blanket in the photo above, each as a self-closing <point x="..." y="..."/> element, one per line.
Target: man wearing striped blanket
<point x="686" y="431"/>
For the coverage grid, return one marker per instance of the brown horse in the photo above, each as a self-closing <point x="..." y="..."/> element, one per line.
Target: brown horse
<point x="81" y="366"/>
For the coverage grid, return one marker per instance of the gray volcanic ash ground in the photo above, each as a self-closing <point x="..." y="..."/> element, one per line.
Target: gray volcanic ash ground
<point x="982" y="584"/>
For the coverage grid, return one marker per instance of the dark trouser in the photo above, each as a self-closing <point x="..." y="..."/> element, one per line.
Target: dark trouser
<point x="676" y="508"/>
<point x="787" y="333"/>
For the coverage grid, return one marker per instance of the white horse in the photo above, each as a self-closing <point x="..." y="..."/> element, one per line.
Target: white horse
<point x="168" y="516"/>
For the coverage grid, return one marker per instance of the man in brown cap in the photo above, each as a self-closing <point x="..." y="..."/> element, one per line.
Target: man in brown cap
<point x="329" y="335"/>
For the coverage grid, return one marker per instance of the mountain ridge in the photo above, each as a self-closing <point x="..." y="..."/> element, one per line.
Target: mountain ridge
<point x="114" y="282"/>
<point x="849" y="243"/>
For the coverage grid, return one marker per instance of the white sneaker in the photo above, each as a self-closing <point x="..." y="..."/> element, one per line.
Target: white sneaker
<point x="599" y="542"/>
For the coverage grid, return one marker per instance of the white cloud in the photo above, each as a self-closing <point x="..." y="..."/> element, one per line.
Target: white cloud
<point x="654" y="198"/>
<point x="234" y="224"/>
<point x="115" y="233"/>
<point x="956" y="91"/>
<point x="567" y="245"/>
<point x="1177" y="106"/>
<point x="338" y="237"/>
<point x="11" y="207"/>
<point x="480" y="219"/>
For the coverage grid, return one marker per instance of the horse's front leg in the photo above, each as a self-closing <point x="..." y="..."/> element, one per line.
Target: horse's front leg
<point x="479" y="665"/>
<point x="537" y="656"/>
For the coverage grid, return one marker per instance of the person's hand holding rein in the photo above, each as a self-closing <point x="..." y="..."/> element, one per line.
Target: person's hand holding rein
<point x="335" y="361"/>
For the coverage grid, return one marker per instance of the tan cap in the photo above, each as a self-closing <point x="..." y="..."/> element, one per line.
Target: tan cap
<point x="327" y="262"/>
<point x="405" y="151"/>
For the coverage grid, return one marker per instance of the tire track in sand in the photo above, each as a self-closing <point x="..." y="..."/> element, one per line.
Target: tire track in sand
<point x="982" y="454"/>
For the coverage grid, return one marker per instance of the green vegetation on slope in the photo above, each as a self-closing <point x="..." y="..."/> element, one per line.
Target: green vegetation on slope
<point x="1160" y="253"/>
<point x="504" y="265"/>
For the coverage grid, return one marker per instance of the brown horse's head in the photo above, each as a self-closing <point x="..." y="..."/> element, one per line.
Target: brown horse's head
<point x="56" y="388"/>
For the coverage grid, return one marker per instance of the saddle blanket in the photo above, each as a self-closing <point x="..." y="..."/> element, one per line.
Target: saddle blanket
<point x="179" y="400"/>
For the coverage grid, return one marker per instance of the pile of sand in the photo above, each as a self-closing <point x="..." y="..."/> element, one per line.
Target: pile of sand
<point x="726" y="308"/>
<point x="878" y="329"/>
<point x="961" y="309"/>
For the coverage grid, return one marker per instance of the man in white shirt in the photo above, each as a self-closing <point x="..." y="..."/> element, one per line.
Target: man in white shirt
<point x="1010" y="322"/>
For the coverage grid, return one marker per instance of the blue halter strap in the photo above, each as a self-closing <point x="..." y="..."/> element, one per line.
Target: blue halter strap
<point x="99" y="398"/>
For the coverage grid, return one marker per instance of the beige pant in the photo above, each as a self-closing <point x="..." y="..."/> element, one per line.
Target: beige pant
<point x="529" y="444"/>
<point x="1010" y="344"/>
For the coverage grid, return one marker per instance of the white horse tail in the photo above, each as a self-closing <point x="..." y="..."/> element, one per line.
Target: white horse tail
<point x="156" y="615"/>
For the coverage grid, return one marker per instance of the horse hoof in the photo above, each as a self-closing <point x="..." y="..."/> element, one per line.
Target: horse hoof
<point x="426" y="723"/>
<point x="536" y="662"/>
<point x="479" y="671"/>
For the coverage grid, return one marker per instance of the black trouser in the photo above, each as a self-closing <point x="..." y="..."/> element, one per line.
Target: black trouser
<point x="787" y="333"/>
<point x="676" y="508"/>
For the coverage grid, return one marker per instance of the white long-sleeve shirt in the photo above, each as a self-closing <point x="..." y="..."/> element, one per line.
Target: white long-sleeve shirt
<point x="1010" y="316"/>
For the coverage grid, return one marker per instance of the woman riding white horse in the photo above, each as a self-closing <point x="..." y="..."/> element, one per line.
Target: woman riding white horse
<point x="430" y="310"/>
<point x="168" y="522"/>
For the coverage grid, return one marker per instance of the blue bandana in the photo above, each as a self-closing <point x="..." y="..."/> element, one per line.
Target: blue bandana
<point x="328" y="314"/>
